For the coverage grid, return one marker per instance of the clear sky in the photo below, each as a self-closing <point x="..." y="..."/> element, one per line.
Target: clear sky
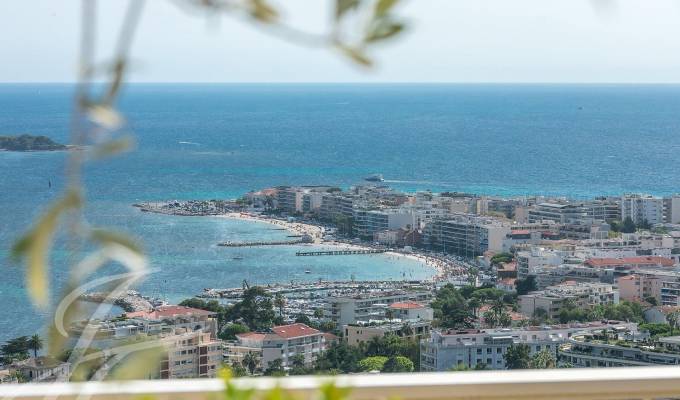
<point x="448" y="41"/>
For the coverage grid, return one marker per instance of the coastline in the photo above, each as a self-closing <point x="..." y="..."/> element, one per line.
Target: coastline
<point x="442" y="268"/>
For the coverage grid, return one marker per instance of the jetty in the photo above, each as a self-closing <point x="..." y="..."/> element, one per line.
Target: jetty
<point x="253" y="244"/>
<point x="339" y="252"/>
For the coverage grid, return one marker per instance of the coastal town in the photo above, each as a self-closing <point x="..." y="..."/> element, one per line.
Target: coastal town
<point x="519" y="282"/>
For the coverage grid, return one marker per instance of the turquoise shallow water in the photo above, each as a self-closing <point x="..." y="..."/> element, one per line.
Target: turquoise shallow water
<point x="497" y="139"/>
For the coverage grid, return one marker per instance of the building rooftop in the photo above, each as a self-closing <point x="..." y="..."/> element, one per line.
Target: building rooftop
<point x="406" y="305"/>
<point x="611" y="262"/>
<point x="294" y="330"/>
<point x="168" y="312"/>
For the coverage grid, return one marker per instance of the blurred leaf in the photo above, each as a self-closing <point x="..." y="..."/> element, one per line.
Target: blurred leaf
<point x="342" y="6"/>
<point x="384" y="30"/>
<point x="104" y="115"/>
<point x="330" y="391"/>
<point x="113" y="147"/>
<point x="138" y="364"/>
<point x="35" y="246"/>
<point x="277" y="394"/>
<point x="107" y="237"/>
<point x="383" y="6"/>
<point x="114" y="87"/>
<point x="262" y="11"/>
<point x="356" y="55"/>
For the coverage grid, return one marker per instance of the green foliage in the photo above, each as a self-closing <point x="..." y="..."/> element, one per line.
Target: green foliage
<point x="230" y="331"/>
<point x="392" y="345"/>
<point x="451" y="309"/>
<point x="238" y="370"/>
<point x="29" y="143"/>
<point x="302" y="319"/>
<point x="35" y="343"/>
<point x="275" y="368"/>
<point x="256" y="309"/>
<point x="656" y="329"/>
<point x="15" y="349"/>
<point x="628" y="226"/>
<point x="250" y="362"/>
<point x="501" y="258"/>
<point x="210" y="305"/>
<point x="652" y="300"/>
<point x="517" y="357"/>
<point x="374" y="363"/>
<point x="398" y="364"/>
<point x="524" y="286"/>
<point x="544" y="359"/>
<point x="339" y="357"/>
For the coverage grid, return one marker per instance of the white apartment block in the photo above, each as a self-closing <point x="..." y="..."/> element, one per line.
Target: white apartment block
<point x="553" y="298"/>
<point x="642" y="207"/>
<point x="190" y="354"/>
<point x="466" y="235"/>
<point x="368" y="222"/>
<point x="284" y="342"/>
<point x="373" y="306"/>
<point x="447" y="349"/>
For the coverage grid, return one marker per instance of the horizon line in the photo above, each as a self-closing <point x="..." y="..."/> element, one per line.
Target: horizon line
<point x="347" y="83"/>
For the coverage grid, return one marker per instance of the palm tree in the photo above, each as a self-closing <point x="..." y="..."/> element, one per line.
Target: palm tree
<point x="35" y="343"/>
<point x="250" y="361"/>
<point x="280" y="302"/>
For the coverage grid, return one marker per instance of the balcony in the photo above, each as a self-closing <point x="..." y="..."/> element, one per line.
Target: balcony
<point x="607" y="383"/>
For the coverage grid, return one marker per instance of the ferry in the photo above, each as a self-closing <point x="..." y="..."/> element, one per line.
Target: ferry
<point x="375" y="178"/>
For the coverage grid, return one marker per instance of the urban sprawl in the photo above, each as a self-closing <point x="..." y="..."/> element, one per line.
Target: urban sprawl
<point x="525" y="282"/>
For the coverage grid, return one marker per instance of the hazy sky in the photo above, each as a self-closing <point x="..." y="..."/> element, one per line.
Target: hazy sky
<point x="448" y="41"/>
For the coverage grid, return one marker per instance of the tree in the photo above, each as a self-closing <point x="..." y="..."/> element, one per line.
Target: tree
<point x="302" y="319"/>
<point x="544" y="359"/>
<point x="280" y="303"/>
<point x="256" y="309"/>
<point x="474" y="304"/>
<point x="451" y="309"/>
<point x="672" y="319"/>
<point x="230" y="331"/>
<point x="341" y="357"/>
<point x="375" y="363"/>
<point x="652" y="300"/>
<point x="275" y="368"/>
<point x="250" y="362"/>
<point x="35" y="343"/>
<point x="656" y="329"/>
<point x="15" y="349"/>
<point x="318" y="313"/>
<point x="238" y="370"/>
<point x="398" y="364"/>
<point x="298" y="366"/>
<point x="501" y="258"/>
<point x="628" y="226"/>
<point x="524" y="286"/>
<point x="517" y="357"/>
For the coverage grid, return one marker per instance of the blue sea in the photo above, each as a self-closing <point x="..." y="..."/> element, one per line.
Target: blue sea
<point x="219" y="141"/>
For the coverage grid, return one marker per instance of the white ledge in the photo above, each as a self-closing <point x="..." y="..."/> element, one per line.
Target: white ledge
<point x="605" y="383"/>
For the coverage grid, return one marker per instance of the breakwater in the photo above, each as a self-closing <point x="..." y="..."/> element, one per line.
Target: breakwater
<point x="339" y="252"/>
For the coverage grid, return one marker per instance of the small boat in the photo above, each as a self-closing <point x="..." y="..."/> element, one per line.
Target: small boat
<point x="308" y="271"/>
<point x="374" y="178"/>
<point x="237" y="258"/>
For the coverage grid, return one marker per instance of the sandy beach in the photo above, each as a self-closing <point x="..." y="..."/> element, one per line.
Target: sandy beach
<point x="442" y="267"/>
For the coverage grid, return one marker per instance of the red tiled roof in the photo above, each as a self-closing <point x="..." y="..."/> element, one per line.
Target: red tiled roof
<point x="406" y="305"/>
<point x="646" y="260"/>
<point x="508" y="281"/>
<point x="294" y="330"/>
<point x="168" y="311"/>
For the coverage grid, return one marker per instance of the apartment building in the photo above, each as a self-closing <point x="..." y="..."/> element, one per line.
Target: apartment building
<point x="283" y="342"/>
<point x="596" y="351"/>
<point x="369" y="222"/>
<point x="190" y="354"/>
<point x="671" y="209"/>
<point x="529" y="260"/>
<point x="336" y="204"/>
<point x="299" y="199"/>
<point x="561" y="213"/>
<point x="466" y="235"/>
<point x="642" y="208"/>
<point x="637" y="287"/>
<point x="371" y="306"/>
<point x="447" y="349"/>
<point x="358" y="333"/>
<point x="553" y="298"/>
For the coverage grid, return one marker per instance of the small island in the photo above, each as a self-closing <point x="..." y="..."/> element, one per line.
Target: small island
<point x="29" y="143"/>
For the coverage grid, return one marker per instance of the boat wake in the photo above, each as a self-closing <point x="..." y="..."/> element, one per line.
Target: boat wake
<point x="191" y="143"/>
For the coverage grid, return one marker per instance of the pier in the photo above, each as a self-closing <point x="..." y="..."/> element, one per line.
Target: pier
<point x="253" y="244"/>
<point x="339" y="252"/>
